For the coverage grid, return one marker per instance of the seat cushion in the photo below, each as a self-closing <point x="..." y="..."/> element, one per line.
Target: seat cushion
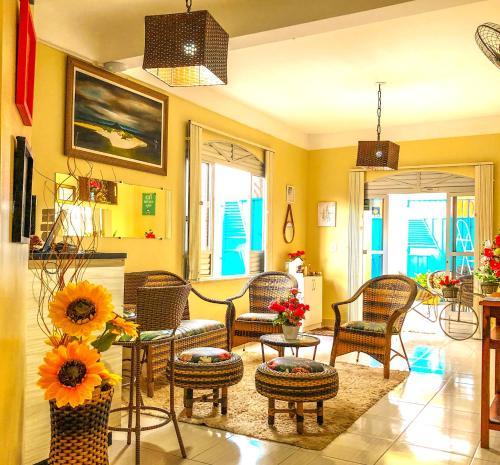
<point x="187" y="328"/>
<point x="204" y="355"/>
<point x="262" y="317"/>
<point x="295" y="365"/>
<point x="367" y="327"/>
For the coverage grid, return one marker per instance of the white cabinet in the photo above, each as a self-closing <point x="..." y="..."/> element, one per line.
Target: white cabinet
<point x="311" y="289"/>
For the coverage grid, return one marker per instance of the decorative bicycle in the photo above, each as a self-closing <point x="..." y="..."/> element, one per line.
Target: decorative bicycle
<point x="457" y="318"/>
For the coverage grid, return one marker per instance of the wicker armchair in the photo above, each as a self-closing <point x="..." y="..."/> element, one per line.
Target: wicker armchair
<point x="190" y="334"/>
<point x="386" y="300"/>
<point x="262" y="290"/>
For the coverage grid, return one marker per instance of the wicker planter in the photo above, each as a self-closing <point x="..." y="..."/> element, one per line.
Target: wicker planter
<point x="291" y="333"/>
<point x="79" y="435"/>
<point x="489" y="288"/>
<point x="450" y="292"/>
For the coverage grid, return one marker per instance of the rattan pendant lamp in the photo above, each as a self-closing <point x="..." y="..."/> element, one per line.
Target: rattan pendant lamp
<point x="186" y="49"/>
<point x="378" y="154"/>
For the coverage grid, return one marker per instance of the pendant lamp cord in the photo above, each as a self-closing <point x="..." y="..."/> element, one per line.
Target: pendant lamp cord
<point x="189" y="3"/>
<point x="379" y="111"/>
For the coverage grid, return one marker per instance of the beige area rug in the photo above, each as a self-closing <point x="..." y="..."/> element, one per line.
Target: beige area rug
<point x="360" y="388"/>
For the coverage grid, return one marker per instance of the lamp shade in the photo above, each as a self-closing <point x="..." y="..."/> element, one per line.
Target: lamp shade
<point x="186" y="49"/>
<point x="378" y="155"/>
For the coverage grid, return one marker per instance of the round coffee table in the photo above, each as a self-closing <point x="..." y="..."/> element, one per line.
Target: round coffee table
<point x="278" y="341"/>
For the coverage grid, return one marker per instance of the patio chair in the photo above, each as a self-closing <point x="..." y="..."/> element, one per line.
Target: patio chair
<point x="262" y="290"/>
<point x="386" y="300"/>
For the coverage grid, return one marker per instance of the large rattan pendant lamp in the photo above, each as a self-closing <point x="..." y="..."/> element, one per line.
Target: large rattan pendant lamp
<point x="186" y="49"/>
<point x="378" y="154"/>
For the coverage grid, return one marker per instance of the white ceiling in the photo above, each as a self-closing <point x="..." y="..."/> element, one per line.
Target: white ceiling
<point x="314" y="84"/>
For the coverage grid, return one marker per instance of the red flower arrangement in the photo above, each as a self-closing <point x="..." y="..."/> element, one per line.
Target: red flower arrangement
<point x="489" y="266"/>
<point x="290" y="311"/>
<point x="449" y="282"/>
<point x="294" y="255"/>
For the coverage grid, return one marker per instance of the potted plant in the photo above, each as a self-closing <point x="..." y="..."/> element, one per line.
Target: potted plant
<point x="77" y="384"/>
<point x="295" y="262"/>
<point x="449" y="287"/>
<point x="290" y="313"/>
<point x="488" y="272"/>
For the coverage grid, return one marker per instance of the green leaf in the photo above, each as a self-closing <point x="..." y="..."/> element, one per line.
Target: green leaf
<point x="105" y="341"/>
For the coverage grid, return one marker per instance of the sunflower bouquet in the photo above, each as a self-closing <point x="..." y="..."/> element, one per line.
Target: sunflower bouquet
<point x="84" y="325"/>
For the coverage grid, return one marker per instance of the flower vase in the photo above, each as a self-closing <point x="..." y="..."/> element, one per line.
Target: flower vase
<point x="489" y="287"/>
<point x="290" y="332"/>
<point x="79" y="434"/>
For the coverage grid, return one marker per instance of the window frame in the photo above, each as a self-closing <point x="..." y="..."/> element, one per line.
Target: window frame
<point x="211" y="173"/>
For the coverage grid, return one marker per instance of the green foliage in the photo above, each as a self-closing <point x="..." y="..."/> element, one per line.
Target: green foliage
<point x="421" y="279"/>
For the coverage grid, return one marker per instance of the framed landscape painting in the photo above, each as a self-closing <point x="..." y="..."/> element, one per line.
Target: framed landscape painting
<point x="112" y="120"/>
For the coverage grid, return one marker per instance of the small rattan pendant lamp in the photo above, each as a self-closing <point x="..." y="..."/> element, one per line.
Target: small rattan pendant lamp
<point x="379" y="154"/>
<point x="186" y="49"/>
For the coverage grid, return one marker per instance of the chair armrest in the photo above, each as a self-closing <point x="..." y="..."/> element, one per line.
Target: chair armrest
<point x="230" y="311"/>
<point x="238" y="296"/>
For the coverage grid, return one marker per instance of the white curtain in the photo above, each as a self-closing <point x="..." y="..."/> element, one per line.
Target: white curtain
<point x="355" y="244"/>
<point x="269" y="163"/>
<point x="484" y="218"/>
<point x="194" y="164"/>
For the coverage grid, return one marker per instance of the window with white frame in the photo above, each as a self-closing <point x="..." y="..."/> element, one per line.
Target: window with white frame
<point x="232" y="213"/>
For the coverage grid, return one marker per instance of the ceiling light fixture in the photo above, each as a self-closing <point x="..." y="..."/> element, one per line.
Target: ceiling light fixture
<point x="186" y="49"/>
<point x="488" y="40"/>
<point x="379" y="154"/>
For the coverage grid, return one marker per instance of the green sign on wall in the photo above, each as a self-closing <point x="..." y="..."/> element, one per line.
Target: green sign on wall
<point x="149" y="203"/>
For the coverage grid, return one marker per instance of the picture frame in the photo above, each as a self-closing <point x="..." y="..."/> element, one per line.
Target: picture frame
<point x="327" y="214"/>
<point x="290" y="194"/>
<point x="97" y="190"/>
<point x="22" y="188"/>
<point x="112" y="120"/>
<point x="25" y="70"/>
<point x="66" y="193"/>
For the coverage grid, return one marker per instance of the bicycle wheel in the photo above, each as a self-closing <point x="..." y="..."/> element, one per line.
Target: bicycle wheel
<point x="458" y="321"/>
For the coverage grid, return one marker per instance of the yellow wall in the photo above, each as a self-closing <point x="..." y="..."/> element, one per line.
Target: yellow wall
<point x="13" y="257"/>
<point x="328" y="181"/>
<point x="48" y="140"/>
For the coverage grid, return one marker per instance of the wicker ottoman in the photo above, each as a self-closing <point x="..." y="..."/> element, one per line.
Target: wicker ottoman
<point x="296" y="380"/>
<point x="207" y="368"/>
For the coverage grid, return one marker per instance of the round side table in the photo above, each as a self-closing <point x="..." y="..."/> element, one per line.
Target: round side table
<point x="279" y="341"/>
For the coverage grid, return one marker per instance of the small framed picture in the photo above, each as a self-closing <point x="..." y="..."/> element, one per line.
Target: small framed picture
<point x="290" y="194"/>
<point x="327" y="213"/>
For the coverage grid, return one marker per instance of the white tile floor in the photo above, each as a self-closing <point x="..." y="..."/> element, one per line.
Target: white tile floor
<point x="432" y="418"/>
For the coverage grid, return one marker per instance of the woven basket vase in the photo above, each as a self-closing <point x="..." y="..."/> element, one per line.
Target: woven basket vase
<point x="79" y="435"/>
<point x="450" y="292"/>
<point x="489" y="288"/>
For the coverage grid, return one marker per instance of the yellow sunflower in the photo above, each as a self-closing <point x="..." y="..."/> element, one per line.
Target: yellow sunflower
<point x="79" y="309"/>
<point x="70" y="374"/>
<point x="123" y="326"/>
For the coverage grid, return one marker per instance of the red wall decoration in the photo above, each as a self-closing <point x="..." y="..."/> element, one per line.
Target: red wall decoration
<point x="26" y="52"/>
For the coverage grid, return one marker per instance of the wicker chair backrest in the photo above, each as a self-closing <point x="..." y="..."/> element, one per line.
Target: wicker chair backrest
<point x="161" y="307"/>
<point x="466" y="293"/>
<point x="135" y="280"/>
<point x="384" y="295"/>
<point x="269" y="286"/>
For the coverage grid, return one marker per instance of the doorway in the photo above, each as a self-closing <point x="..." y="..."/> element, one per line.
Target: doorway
<point x="415" y="223"/>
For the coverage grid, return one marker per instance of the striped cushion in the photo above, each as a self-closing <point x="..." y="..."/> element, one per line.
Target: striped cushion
<point x="264" y="317"/>
<point x="295" y="365"/>
<point x="187" y="328"/>
<point x="204" y="355"/>
<point x="367" y="327"/>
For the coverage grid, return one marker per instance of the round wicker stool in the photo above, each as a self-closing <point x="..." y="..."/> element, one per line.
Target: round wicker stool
<point x="207" y="368"/>
<point x="296" y="380"/>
